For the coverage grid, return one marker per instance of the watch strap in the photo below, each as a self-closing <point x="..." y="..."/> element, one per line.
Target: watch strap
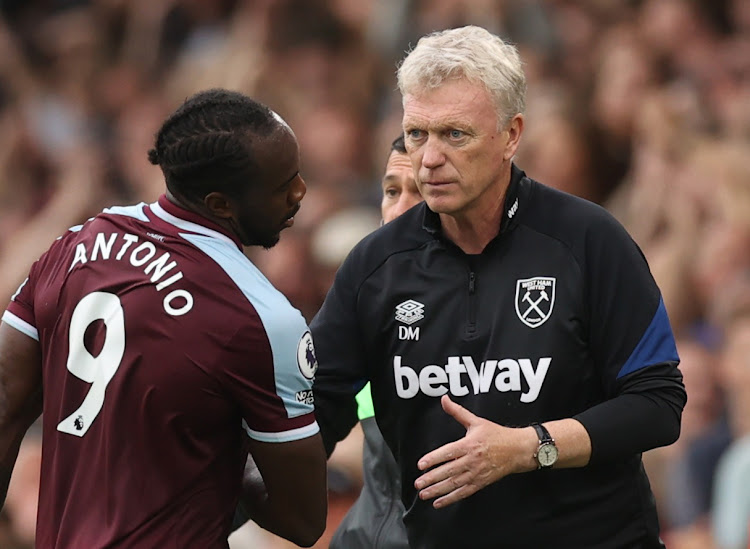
<point x="542" y="433"/>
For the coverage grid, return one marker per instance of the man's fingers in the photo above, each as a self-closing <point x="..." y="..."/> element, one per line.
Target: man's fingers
<point x="450" y="490"/>
<point x="456" y="495"/>
<point x="445" y="484"/>
<point x="458" y="412"/>
<point x="437" y="475"/>
<point x="445" y="453"/>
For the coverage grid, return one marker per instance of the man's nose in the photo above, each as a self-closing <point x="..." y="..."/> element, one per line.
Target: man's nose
<point x="433" y="155"/>
<point x="299" y="189"/>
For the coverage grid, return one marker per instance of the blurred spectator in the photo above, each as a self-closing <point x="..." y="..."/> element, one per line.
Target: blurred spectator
<point x="731" y="513"/>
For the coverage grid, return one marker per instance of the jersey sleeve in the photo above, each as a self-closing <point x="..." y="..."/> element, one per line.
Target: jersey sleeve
<point x="341" y="374"/>
<point x="269" y="362"/>
<point x="20" y="311"/>
<point x="632" y="345"/>
<point x="269" y="373"/>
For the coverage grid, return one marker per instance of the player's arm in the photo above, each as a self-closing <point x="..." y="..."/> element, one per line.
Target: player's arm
<point x="336" y="415"/>
<point x="284" y="489"/>
<point x="287" y="495"/>
<point x="341" y="374"/>
<point x="20" y="395"/>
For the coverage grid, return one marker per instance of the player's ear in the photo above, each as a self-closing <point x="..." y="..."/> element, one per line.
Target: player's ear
<point x="219" y="205"/>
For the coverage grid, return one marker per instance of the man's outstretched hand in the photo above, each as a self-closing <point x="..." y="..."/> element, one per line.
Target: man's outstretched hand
<point x="486" y="454"/>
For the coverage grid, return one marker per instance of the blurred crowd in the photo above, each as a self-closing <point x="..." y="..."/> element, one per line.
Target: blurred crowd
<point x="640" y="105"/>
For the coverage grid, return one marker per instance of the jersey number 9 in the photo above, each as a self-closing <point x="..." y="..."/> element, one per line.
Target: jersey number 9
<point x="97" y="370"/>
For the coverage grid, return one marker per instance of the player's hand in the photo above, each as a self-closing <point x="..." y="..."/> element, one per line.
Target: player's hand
<point x="486" y="454"/>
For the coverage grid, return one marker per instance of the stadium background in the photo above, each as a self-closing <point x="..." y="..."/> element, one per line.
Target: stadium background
<point x="640" y="105"/>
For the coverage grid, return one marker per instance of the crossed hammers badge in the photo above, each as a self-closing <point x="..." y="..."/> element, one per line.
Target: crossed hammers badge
<point x="535" y="298"/>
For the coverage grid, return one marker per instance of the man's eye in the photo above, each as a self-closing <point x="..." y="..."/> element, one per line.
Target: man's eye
<point x="456" y="134"/>
<point x="414" y="134"/>
<point x="391" y="193"/>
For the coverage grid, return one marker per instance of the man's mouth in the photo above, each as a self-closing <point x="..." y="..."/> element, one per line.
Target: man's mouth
<point x="289" y="220"/>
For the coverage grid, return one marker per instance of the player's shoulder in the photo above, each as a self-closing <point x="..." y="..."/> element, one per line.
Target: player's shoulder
<point x="136" y="212"/>
<point x="268" y="313"/>
<point x="405" y="234"/>
<point x="272" y="307"/>
<point x="74" y="234"/>
<point x="107" y="215"/>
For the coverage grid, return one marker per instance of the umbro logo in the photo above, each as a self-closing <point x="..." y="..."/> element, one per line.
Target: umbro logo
<point x="409" y="311"/>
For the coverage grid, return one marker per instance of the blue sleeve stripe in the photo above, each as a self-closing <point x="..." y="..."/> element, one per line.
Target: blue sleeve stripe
<point x="657" y="345"/>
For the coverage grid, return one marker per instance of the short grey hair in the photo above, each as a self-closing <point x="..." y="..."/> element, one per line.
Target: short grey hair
<point x="472" y="53"/>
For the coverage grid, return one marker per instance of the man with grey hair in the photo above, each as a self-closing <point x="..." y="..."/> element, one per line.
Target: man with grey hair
<point x="518" y="349"/>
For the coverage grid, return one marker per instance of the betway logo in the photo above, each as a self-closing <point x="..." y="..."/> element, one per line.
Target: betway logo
<point x="461" y="376"/>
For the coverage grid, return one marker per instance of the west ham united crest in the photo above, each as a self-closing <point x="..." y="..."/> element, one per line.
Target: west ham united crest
<point x="535" y="298"/>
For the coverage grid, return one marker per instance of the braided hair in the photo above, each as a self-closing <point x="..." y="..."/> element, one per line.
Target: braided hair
<point x="206" y="145"/>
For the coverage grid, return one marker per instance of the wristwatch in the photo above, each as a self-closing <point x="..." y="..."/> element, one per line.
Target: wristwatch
<point x="546" y="453"/>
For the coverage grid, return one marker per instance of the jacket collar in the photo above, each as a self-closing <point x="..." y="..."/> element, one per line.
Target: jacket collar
<point x="516" y="197"/>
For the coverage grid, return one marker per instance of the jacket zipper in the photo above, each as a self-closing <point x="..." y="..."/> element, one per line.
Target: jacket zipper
<point x="471" y="327"/>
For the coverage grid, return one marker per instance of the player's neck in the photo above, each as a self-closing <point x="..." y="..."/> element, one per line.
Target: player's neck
<point x="199" y="209"/>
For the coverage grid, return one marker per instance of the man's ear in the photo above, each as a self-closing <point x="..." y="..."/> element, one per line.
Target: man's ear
<point x="514" y="129"/>
<point x="219" y="205"/>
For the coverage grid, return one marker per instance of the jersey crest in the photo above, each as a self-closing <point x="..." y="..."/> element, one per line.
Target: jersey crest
<point x="535" y="299"/>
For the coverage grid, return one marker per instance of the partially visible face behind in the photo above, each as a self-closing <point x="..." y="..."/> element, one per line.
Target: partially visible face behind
<point x="270" y="202"/>
<point x="460" y="159"/>
<point x="399" y="188"/>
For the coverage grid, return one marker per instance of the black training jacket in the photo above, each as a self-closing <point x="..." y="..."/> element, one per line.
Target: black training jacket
<point x="558" y="317"/>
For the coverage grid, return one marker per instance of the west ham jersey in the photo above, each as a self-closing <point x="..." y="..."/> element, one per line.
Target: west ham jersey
<point x="163" y="348"/>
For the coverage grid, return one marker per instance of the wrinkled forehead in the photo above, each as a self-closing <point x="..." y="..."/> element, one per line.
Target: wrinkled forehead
<point x="398" y="162"/>
<point x="455" y="100"/>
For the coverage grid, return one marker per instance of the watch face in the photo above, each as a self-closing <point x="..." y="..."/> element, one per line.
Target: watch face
<point x="547" y="455"/>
